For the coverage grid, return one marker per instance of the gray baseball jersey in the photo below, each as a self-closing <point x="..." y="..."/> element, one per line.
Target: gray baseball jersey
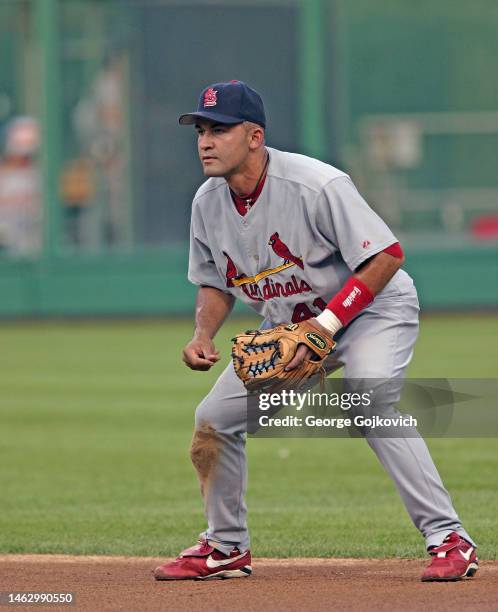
<point x="296" y="247"/>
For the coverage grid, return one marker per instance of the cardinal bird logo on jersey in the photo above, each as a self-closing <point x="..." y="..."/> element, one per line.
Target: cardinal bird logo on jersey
<point x="282" y="250"/>
<point x="210" y="98"/>
<point x="262" y="286"/>
<point x="231" y="272"/>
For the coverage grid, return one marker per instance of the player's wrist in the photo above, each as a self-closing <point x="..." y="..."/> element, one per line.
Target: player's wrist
<point x="203" y="335"/>
<point x="350" y="300"/>
<point x="329" y="322"/>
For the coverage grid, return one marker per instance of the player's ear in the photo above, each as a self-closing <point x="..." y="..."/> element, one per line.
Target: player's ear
<point x="256" y="135"/>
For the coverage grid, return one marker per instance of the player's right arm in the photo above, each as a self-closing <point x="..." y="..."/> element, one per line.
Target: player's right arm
<point x="211" y="308"/>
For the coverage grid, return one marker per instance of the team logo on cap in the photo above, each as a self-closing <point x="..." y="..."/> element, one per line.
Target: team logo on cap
<point x="210" y="97"/>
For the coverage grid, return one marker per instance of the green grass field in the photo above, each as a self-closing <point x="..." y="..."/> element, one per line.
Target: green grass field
<point x="96" y="419"/>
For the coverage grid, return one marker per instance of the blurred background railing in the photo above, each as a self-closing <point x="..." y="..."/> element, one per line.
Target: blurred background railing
<point x="96" y="176"/>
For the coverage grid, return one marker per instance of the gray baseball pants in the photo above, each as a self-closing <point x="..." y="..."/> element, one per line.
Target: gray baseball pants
<point x="377" y="344"/>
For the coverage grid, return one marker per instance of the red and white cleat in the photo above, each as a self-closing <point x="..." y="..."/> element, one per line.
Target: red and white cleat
<point x="453" y="560"/>
<point x="203" y="562"/>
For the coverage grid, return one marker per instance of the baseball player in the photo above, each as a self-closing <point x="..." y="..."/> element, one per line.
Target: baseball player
<point x="291" y="237"/>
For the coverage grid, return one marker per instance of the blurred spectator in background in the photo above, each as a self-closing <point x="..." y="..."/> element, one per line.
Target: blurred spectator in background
<point x="20" y="189"/>
<point x="77" y="192"/>
<point x="100" y="124"/>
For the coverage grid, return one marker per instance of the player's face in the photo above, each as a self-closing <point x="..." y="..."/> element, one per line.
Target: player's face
<point x="223" y="149"/>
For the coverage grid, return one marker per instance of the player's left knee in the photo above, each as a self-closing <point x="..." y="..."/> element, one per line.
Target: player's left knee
<point x="205" y="414"/>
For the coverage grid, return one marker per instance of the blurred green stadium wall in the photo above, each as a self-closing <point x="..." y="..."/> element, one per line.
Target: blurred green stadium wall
<point x="401" y="95"/>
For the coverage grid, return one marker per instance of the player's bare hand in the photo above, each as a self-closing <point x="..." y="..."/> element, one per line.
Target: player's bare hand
<point x="303" y="352"/>
<point x="200" y="353"/>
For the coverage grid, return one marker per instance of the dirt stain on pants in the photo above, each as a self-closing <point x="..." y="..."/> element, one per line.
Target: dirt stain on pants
<point x="204" y="451"/>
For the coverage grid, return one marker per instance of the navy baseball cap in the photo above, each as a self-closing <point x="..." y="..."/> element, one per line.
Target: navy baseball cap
<point x="229" y="103"/>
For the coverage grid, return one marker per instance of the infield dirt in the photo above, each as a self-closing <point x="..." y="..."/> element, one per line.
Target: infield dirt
<point x="126" y="583"/>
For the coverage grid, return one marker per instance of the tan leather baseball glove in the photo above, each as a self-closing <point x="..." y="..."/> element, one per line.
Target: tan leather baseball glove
<point x="260" y="357"/>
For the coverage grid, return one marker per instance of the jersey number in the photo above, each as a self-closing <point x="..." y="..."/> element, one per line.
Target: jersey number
<point x="302" y="311"/>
